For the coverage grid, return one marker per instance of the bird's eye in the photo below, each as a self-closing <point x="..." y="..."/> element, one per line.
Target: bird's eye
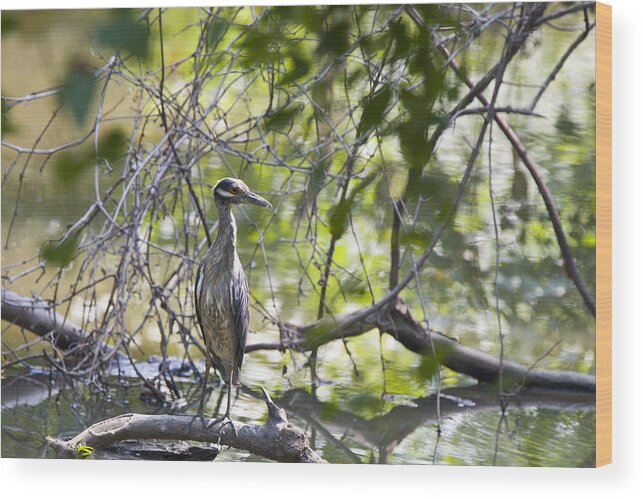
<point x="234" y="190"/>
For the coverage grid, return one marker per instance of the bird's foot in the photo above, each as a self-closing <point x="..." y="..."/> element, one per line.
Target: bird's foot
<point x="225" y="421"/>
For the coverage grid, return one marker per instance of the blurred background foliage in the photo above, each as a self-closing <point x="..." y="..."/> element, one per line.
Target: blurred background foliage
<point x="294" y="100"/>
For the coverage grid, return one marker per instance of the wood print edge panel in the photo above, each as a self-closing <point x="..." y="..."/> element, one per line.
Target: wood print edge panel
<point x="603" y="234"/>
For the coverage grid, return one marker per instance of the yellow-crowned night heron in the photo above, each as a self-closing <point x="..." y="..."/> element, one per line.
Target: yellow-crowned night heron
<point x="221" y="290"/>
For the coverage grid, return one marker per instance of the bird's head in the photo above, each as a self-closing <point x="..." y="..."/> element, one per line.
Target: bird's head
<point x="229" y="191"/>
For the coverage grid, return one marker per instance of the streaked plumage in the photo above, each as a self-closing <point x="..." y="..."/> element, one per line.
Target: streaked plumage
<point x="221" y="290"/>
<point x="223" y="311"/>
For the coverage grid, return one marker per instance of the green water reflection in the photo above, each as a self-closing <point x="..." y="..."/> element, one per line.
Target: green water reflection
<point x="540" y="428"/>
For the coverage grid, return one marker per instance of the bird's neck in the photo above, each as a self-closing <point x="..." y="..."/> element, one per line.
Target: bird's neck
<point x="227" y="233"/>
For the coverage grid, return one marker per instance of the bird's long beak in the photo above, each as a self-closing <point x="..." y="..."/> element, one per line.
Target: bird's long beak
<point x="252" y="198"/>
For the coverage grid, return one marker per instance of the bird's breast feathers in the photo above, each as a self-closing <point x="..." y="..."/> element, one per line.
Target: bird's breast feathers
<point x="218" y="295"/>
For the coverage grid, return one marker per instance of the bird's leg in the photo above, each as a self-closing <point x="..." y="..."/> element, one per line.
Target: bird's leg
<point x="225" y="419"/>
<point x="205" y="387"/>
<point x="218" y="406"/>
<point x="227" y="411"/>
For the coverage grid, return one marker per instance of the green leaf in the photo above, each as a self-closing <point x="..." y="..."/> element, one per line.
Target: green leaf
<point x="298" y="68"/>
<point x="328" y="411"/>
<point x="306" y="15"/>
<point x="113" y="145"/>
<point x="519" y="186"/>
<point x="77" y="92"/>
<point x="317" y="178"/>
<point x="283" y="118"/>
<point x="215" y="31"/>
<point x="124" y="32"/>
<point x="338" y="221"/>
<point x="436" y="15"/>
<point x="565" y="125"/>
<point x="83" y="451"/>
<point x="428" y="368"/>
<point x="260" y="48"/>
<point x="453" y="92"/>
<point x="338" y="215"/>
<point x="417" y="236"/>
<point x="60" y="253"/>
<point x="334" y="41"/>
<point x="589" y="240"/>
<point x="366" y="181"/>
<point x="414" y="143"/>
<point x="374" y="107"/>
<point x="402" y="41"/>
<point x="69" y="167"/>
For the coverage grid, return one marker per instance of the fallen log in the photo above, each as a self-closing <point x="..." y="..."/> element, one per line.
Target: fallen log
<point x="278" y="439"/>
<point x="395" y="319"/>
<point x="39" y="317"/>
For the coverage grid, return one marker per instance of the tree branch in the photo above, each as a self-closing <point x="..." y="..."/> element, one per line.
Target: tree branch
<point x="397" y="321"/>
<point x="570" y="263"/>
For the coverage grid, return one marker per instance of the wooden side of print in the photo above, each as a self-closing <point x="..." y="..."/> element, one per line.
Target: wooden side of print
<point x="603" y="234"/>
